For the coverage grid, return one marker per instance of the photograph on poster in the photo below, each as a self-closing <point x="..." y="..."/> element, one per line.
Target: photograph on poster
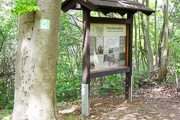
<point x="92" y="45"/>
<point x="107" y="46"/>
<point x="109" y="43"/>
<point x="96" y="62"/>
<point x="99" y="45"/>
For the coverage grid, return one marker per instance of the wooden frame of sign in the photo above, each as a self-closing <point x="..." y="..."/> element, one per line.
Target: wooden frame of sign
<point x="117" y="24"/>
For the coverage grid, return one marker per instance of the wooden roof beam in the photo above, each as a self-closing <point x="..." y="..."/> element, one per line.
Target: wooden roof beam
<point x="67" y="5"/>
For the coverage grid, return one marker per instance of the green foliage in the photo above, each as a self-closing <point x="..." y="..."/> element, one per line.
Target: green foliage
<point x="69" y="70"/>
<point x="141" y="79"/>
<point x="140" y="109"/>
<point x="120" y="114"/>
<point x="174" y="46"/>
<point x="7" y="101"/>
<point x="8" y="44"/>
<point x="146" y="80"/>
<point x="5" y="112"/>
<point x="81" y="116"/>
<point x="113" y="84"/>
<point x="137" y="77"/>
<point x="153" y="83"/>
<point x="24" y="7"/>
<point x="70" y="117"/>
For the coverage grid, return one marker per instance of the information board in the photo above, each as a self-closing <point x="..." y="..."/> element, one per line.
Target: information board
<point x="107" y="46"/>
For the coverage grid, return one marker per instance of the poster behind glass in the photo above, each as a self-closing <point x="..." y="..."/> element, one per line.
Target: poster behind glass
<point x="107" y="46"/>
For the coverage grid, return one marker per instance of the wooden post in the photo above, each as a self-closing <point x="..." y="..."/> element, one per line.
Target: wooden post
<point x="86" y="63"/>
<point x="128" y="92"/>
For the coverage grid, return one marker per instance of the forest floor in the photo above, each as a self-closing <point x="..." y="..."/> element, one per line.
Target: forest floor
<point x="154" y="103"/>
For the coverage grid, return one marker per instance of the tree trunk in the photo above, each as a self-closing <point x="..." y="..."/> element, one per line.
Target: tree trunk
<point x="136" y="56"/>
<point x="160" y="45"/>
<point x="144" y="35"/>
<point x="142" y="56"/>
<point x="175" y="72"/>
<point x="148" y="43"/>
<point x="155" y="35"/>
<point x="140" y="41"/>
<point x="36" y="64"/>
<point x="164" y="54"/>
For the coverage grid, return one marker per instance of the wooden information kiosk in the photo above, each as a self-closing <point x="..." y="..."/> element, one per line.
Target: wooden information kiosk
<point x="107" y="42"/>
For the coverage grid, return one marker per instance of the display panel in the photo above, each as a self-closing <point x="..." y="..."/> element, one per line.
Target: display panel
<point x="107" y="46"/>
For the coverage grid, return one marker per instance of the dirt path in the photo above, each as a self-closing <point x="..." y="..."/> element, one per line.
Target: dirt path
<point x="158" y="103"/>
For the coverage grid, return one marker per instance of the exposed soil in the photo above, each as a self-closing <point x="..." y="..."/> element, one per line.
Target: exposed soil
<point x="155" y="103"/>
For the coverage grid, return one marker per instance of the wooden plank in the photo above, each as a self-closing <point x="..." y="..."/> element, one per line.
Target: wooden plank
<point x="109" y="20"/>
<point x="128" y="92"/>
<point x="107" y="69"/>
<point x="110" y="72"/>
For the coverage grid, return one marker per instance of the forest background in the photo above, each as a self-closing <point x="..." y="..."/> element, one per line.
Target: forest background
<point x="149" y="46"/>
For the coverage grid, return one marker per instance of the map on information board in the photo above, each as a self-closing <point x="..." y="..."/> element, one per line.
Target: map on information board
<point x="107" y="46"/>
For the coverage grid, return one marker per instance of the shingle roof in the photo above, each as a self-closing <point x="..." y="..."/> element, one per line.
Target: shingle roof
<point x="120" y="6"/>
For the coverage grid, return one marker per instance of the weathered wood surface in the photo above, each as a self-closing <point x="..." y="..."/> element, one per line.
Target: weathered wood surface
<point x="109" y="20"/>
<point x="86" y="47"/>
<point x="68" y="5"/>
<point x="109" y="72"/>
<point x="109" y="6"/>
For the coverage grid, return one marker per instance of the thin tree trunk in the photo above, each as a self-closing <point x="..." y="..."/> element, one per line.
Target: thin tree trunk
<point x="174" y="67"/>
<point x="160" y="44"/>
<point x="144" y="35"/>
<point x="165" y="51"/>
<point x="156" y="35"/>
<point x="150" y="56"/>
<point x="144" y="32"/>
<point x="36" y="64"/>
<point x="140" y="41"/>
<point x="136" y="56"/>
<point x="138" y="53"/>
<point x="142" y="56"/>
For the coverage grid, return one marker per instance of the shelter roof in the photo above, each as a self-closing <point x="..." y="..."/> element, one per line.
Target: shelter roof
<point x="106" y="6"/>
